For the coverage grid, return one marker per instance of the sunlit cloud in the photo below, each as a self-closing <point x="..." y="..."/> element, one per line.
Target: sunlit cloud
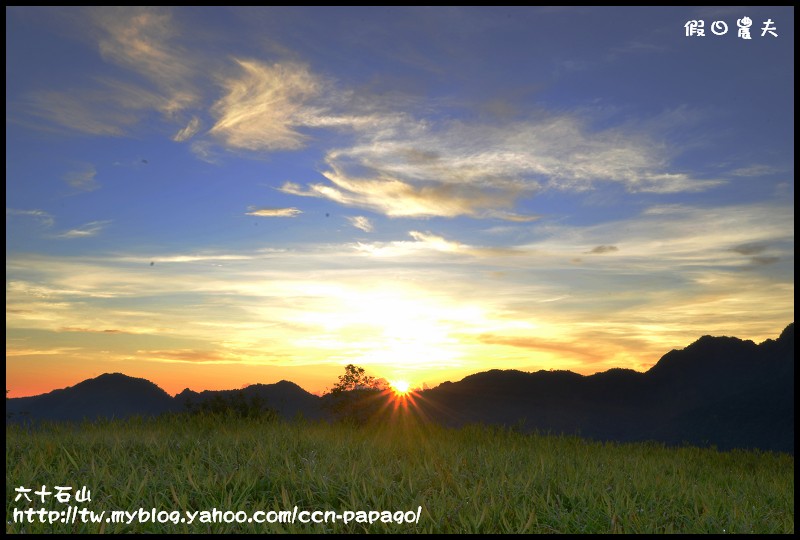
<point x="396" y="198"/>
<point x="92" y="228"/>
<point x="183" y="258"/>
<point x="425" y="243"/>
<point x="264" y="106"/>
<point x="273" y="212"/>
<point x="361" y="222"/>
<point x="19" y="351"/>
<point x="186" y="356"/>
<point x="437" y="242"/>
<point x="189" y="131"/>
<point x="84" y="179"/>
<point x="419" y="168"/>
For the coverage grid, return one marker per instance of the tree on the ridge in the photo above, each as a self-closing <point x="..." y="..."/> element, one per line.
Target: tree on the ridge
<point x="355" y="396"/>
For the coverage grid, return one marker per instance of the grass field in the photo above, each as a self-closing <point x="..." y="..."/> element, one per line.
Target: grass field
<point x="475" y="479"/>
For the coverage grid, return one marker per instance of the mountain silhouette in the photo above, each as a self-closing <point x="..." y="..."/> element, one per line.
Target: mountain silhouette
<point x="720" y="391"/>
<point x="111" y="395"/>
<point x="286" y="398"/>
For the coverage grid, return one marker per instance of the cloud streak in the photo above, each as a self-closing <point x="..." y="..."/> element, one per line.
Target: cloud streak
<point x="189" y="131"/>
<point x="145" y="41"/>
<point x="749" y="249"/>
<point x="93" y="112"/>
<point x="425" y="243"/>
<point x="90" y="229"/>
<point x="361" y="222"/>
<point x="603" y="249"/>
<point x="45" y="219"/>
<point x="273" y="212"/>
<point x="187" y="356"/>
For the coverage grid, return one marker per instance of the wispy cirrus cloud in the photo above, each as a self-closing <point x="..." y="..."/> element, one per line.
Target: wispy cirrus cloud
<point x="418" y="168"/>
<point x="83" y="179"/>
<point x="361" y="222"/>
<point x="205" y="151"/>
<point x="145" y="40"/>
<point x="90" y="229"/>
<point x="264" y="105"/>
<point x="401" y="163"/>
<point x="110" y="107"/>
<point x="187" y="356"/>
<point x="189" y="131"/>
<point x="397" y="198"/>
<point x="273" y="212"/>
<point x="756" y="170"/>
<point x="142" y="40"/>
<point x="90" y="111"/>
<point x="44" y="218"/>
<point x="92" y="330"/>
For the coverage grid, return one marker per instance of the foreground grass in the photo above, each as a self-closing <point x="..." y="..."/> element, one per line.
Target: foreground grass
<point x="475" y="479"/>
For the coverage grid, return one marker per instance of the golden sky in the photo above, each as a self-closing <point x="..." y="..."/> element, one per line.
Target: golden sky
<point x="211" y="198"/>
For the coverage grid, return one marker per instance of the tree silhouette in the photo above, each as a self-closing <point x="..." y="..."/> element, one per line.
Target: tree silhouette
<point x="355" y="397"/>
<point x="355" y="378"/>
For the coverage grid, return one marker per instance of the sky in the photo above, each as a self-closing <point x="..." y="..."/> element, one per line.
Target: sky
<point x="215" y="197"/>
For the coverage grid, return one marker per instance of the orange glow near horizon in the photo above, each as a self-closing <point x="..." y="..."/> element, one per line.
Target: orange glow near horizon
<point x="63" y="359"/>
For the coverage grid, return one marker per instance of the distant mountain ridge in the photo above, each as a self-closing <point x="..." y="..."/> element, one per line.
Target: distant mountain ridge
<point x="717" y="391"/>
<point x="720" y="391"/>
<point x="111" y="395"/>
<point x="285" y="397"/>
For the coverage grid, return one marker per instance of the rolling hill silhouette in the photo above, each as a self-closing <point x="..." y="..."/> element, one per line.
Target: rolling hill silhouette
<point x="720" y="391"/>
<point x="285" y="397"/>
<point x="111" y="395"/>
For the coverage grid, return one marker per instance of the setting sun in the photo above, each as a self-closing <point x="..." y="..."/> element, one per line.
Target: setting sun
<point x="400" y="388"/>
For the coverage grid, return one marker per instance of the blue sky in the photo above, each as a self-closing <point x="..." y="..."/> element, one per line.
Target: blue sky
<point x="212" y="197"/>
